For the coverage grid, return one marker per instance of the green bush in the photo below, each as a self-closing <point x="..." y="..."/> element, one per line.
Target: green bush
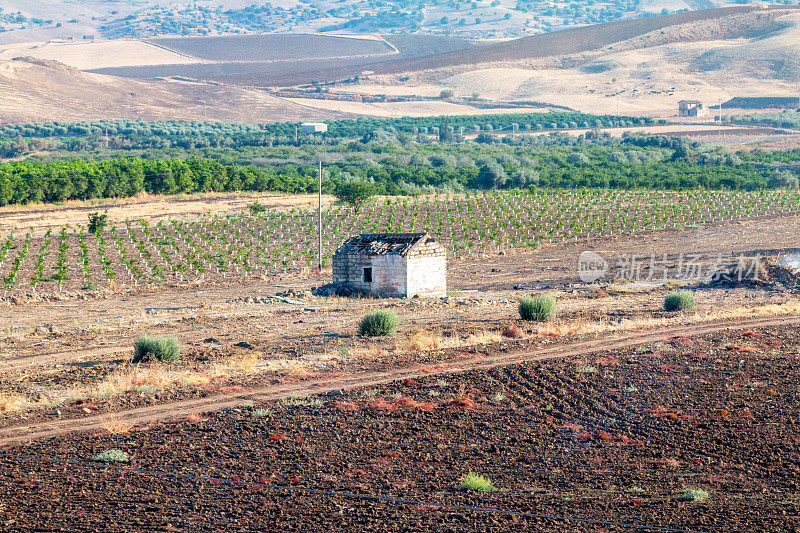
<point x="256" y="208"/>
<point x="97" y="222"/>
<point x="112" y="456"/>
<point x="476" y="482"/>
<point x="538" y="308"/>
<point x="679" y="301"/>
<point x="157" y="348"/>
<point x="379" y="324"/>
<point x="689" y="495"/>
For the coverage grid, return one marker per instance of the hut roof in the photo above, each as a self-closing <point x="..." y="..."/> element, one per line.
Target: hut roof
<point x="383" y="243"/>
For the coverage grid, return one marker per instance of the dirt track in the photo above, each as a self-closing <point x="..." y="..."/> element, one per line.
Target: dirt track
<point x="226" y="401"/>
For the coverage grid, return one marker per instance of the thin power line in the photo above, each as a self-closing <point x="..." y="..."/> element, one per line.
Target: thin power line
<point x="388" y="499"/>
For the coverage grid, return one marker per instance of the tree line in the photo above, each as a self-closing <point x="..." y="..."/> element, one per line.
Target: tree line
<point x="21" y="139"/>
<point x="604" y="167"/>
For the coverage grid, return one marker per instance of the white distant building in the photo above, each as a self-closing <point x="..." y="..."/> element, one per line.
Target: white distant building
<point x="314" y="127"/>
<point x="691" y="108"/>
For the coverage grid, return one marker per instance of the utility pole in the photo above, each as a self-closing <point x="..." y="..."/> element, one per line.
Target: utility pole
<point x="319" y="212"/>
<point x="617" y="105"/>
<point x="295" y="136"/>
<point x="720" y="117"/>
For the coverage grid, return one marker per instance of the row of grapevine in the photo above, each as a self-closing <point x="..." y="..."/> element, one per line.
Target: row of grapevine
<point x="242" y="245"/>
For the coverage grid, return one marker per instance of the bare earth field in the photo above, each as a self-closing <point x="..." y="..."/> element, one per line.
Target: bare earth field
<point x="97" y="54"/>
<point x="238" y="331"/>
<point x="616" y="437"/>
<point x="43" y="216"/>
<point x="606" y="414"/>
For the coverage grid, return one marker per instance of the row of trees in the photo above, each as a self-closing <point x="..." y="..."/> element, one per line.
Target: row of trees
<point x="20" y="139"/>
<point x="25" y="182"/>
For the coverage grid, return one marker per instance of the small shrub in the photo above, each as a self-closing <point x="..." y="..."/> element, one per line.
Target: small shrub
<point x="538" y="308"/>
<point x="97" y="222"/>
<point x="112" y="456"/>
<point x="256" y="208"/>
<point x="512" y="332"/>
<point x="690" y="495"/>
<point x="586" y="369"/>
<point x="476" y="482"/>
<point x="679" y="301"/>
<point x="381" y="323"/>
<point x="294" y="400"/>
<point x="157" y="348"/>
<point x="498" y="397"/>
<point x="260" y="413"/>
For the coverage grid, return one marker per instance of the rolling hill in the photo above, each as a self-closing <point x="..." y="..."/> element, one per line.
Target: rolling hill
<point x="35" y="90"/>
<point x="641" y="66"/>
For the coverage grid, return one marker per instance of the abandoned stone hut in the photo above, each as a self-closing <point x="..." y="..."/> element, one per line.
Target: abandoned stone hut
<point x="401" y="265"/>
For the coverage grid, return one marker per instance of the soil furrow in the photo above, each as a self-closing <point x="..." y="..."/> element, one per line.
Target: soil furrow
<point x="225" y="401"/>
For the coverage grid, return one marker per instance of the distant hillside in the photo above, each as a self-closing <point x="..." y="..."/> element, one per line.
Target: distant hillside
<point x="25" y="20"/>
<point x="573" y="41"/>
<point x="41" y="90"/>
<point x="422" y="53"/>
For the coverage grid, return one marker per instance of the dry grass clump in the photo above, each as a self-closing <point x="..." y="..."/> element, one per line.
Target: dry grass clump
<point x="422" y="340"/>
<point x="12" y="402"/>
<point x="245" y="363"/>
<point x="582" y="326"/>
<point x="115" y="425"/>
<point x="483" y="337"/>
<point x="151" y="378"/>
<point x="289" y="367"/>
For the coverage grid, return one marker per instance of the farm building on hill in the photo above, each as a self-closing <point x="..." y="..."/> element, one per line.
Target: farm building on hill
<point x="401" y="265"/>
<point x="314" y="127"/>
<point x="691" y="108"/>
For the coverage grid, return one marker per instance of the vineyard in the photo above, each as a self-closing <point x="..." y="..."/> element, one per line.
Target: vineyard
<point x="237" y="246"/>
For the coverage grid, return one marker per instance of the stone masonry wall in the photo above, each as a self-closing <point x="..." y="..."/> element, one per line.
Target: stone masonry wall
<point x="388" y="273"/>
<point x="427" y="276"/>
<point x="422" y="272"/>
